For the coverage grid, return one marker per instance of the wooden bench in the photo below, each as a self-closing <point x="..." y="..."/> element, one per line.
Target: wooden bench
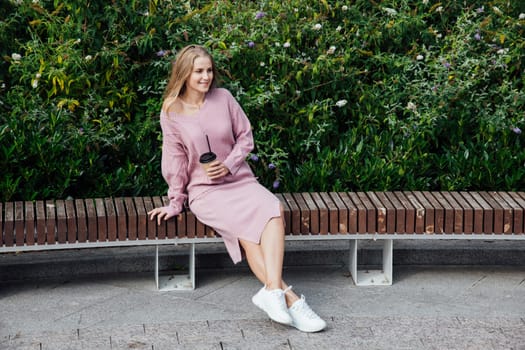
<point x="354" y="216"/>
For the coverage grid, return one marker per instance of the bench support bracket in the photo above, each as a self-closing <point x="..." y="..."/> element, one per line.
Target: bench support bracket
<point x="177" y="281"/>
<point x="372" y="277"/>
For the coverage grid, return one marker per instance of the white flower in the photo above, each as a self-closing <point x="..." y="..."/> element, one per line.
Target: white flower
<point x="3" y="86"/>
<point x="88" y="58"/>
<point x="341" y="103"/>
<point x="277" y="44"/>
<point x="439" y="35"/>
<point x="390" y="11"/>
<point x="331" y="50"/>
<point x="34" y="83"/>
<point x="497" y="10"/>
<point x="411" y="106"/>
<point x="318" y="26"/>
<point x="38" y="75"/>
<point x="16" y="57"/>
<point x="344" y="8"/>
<point x="286" y="44"/>
<point x="439" y="9"/>
<point x="146" y="13"/>
<point x="106" y="110"/>
<point x="35" y="1"/>
<point x="521" y="16"/>
<point x="77" y="41"/>
<point x="419" y="57"/>
<point x="502" y="51"/>
<point x="338" y="29"/>
<point x="297" y="92"/>
<point x="262" y="64"/>
<point x="425" y="2"/>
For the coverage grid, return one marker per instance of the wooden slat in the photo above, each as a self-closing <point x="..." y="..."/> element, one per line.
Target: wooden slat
<point x="19" y="223"/>
<point x="305" y="213"/>
<point x="343" y="223"/>
<point x="419" y="211"/>
<point x="324" y="219"/>
<point x="133" y="221"/>
<point x="1" y="224"/>
<point x="162" y="228"/>
<point x="508" y="212"/>
<point x="122" y="219"/>
<point x="111" y="219"/>
<point x="497" y="211"/>
<point x="71" y="220"/>
<point x="30" y="222"/>
<point x="142" y="220"/>
<point x="410" y="212"/>
<point x="82" y="220"/>
<point x="458" y="214"/>
<point x="371" y="222"/>
<point x="50" y="222"/>
<point x="391" y="212"/>
<point x="191" y="224"/>
<point x="487" y="210"/>
<point x="519" y="211"/>
<point x="9" y="224"/>
<point x="314" y="213"/>
<point x="102" y="224"/>
<point x="445" y="216"/>
<point x="467" y="225"/>
<point x="323" y="213"/>
<point x="382" y="212"/>
<point x="400" y="209"/>
<point x="333" y="212"/>
<point x="92" y="220"/>
<point x="286" y="212"/>
<point x="352" y="201"/>
<point x="439" y="211"/>
<point x="429" y="227"/>
<point x="61" y="221"/>
<point x="150" y="224"/>
<point x="181" y="225"/>
<point x="40" y="222"/>
<point x="171" y="224"/>
<point x="295" y="214"/>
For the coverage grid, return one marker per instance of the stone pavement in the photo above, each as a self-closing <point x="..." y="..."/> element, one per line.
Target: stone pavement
<point x="430" y="307"/>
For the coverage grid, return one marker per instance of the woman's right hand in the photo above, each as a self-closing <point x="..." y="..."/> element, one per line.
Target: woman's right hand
<point x="161" y="213"/>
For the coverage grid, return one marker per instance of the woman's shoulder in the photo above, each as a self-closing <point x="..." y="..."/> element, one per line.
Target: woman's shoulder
<point x="221" y="93"/>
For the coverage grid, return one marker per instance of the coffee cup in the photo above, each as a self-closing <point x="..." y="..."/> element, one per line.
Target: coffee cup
<point x="206" y="158"/>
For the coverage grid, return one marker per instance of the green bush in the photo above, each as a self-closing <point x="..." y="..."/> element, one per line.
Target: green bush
<point x="343" y="95"/>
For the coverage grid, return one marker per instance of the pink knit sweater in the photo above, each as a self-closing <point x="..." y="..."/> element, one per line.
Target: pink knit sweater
<point x="184" y="140"/>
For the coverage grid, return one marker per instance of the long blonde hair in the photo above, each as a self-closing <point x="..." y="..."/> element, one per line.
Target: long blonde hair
<point x="182" y="68"/>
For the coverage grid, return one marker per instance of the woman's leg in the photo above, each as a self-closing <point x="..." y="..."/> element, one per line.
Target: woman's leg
<point x="266" y="259"/>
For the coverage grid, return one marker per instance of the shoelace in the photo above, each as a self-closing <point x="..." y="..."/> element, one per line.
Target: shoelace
<point x="282" y="301"/>
<point x="306" y="310"/>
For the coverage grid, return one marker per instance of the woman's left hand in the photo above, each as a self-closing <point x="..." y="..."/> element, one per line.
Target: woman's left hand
<point x="216" y="170"/>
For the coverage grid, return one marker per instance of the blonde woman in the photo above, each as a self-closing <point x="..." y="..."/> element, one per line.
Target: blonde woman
<point x="196" y="118"/>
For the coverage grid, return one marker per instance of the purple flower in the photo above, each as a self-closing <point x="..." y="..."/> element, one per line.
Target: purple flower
<point x="516" y="130"/>
<point x="477" y="36"/>
<point x="480" y="9"/>
<point x="446" y="65"/>
<point x="161" y="53"/>
<point x="271" y="166"/>
<point x="276" y="184"/>
<point x="260" y="15"/>
<point x="254" y="157"/>
<point x="251" y="44"/>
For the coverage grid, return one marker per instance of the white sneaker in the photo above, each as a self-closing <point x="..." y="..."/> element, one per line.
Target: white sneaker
<point x="304" y="319"/>
<point x="274" y="304"/>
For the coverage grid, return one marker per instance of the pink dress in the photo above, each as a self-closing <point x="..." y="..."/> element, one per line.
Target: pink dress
<point x="236" y="206"/>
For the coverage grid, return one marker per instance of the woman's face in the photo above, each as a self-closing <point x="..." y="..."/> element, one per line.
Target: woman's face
<point x="201" y="75"/>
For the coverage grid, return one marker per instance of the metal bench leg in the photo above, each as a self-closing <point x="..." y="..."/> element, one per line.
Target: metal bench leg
<point x="178" y="281"/>
<point x="372" y="277"/>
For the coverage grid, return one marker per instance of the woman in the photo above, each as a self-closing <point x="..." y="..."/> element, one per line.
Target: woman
<point x="196" y="118"/>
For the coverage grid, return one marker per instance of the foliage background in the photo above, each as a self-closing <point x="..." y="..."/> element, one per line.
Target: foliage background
<point x="342" y="95"/>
